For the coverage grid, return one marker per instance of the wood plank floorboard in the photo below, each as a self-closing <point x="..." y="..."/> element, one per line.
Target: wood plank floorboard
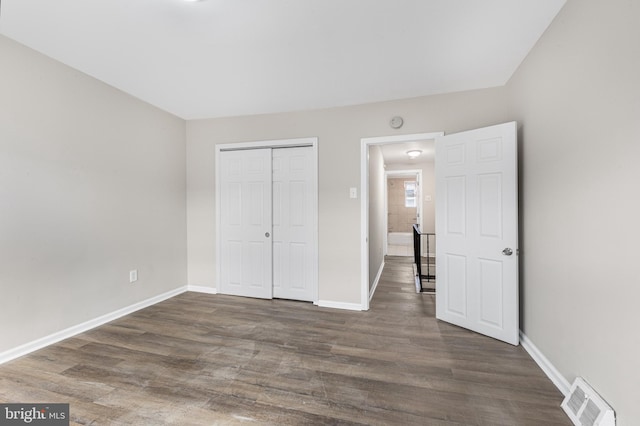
<point x="220" y="360"/>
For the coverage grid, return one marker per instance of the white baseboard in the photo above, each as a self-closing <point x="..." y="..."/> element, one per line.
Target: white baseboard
<point x="202" y="289"/>
<point x="552" y="372"/>
<point x="85" y="326"/>
<point x="339" y="305"/>
<point x="375" y="282"/>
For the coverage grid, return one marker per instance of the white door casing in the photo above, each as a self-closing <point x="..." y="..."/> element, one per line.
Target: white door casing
<point x="246" y="223"/>
<point x="477" y="231"/>
<point x="294" y="202"/>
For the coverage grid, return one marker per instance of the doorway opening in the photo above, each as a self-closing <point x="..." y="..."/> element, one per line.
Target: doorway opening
<point x="404" y="208"/>
<point x="380" y="156"/>
<point x="477" y="186"/>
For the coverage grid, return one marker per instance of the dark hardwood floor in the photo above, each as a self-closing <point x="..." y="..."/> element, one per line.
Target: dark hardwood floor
<point x="211" y="359"/>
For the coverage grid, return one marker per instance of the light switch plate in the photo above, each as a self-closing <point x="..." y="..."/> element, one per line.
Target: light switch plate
<point x="133" y="276"/>
<point x="353" y="192"/>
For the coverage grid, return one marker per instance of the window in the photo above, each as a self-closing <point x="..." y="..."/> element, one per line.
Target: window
<point x="410" y="194"/>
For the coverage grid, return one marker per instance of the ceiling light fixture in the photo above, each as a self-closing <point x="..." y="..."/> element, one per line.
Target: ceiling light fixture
<point x="414" y="153"/>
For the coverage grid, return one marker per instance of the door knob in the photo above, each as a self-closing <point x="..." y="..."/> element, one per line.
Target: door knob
<point x="507" y="252"/>
<point x="266" y="234"/>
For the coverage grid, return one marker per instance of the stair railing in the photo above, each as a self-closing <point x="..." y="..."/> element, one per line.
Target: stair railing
<point x="417" y="257"/>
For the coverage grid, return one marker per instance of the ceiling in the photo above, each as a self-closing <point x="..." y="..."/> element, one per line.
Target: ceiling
<point x="395" y="154"/>
<point x="217" y="58"/>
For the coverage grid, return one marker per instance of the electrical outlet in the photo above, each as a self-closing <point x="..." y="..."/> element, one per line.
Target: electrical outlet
<point x="133" y="276"/>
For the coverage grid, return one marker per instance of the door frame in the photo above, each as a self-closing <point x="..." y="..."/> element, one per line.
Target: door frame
<point x="275" y="143"/>
<point x="394" y="174"/>
<point x="365" y="143"/>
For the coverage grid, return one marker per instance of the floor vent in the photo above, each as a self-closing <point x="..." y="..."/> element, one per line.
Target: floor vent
<point x="585" y="407"/>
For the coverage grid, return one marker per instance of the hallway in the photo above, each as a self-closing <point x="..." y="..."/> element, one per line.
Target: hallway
<point x="498" y="382"/>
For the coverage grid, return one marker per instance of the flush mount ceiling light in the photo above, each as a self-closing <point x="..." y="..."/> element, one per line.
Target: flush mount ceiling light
<point x="191" y="1"/>
<point x="414" y="153"/>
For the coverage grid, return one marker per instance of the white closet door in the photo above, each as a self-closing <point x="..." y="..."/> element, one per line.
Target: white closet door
<point x="294" y="204"/>
<point x="246" y="223"/>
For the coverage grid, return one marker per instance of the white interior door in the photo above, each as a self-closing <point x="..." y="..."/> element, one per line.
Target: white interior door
<point x="246" y="223"/>
<point x="477" y="231"/>
<point x="294" y="201"/>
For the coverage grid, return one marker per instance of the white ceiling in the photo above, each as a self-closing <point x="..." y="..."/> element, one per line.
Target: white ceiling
<point x="396" y="154"/>
<point x="216" y="58"/>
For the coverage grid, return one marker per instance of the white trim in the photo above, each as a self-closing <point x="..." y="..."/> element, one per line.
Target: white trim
<point x="316" y="207"/>
<point x="85" y="326"/>
<point x="340" y="305"/>
<point x="365" y="143"/>
<point x="375" y="282"/>
<point x="275" y="143"/>
<point x="384" y="140"/>
<point x="364" y="224"/>
<point x="549" y="369"/>
<point x="202" y="289"/>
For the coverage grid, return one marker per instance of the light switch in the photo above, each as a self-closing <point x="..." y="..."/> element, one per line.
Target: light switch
<point x="353" y="192"/>
<point x="133" y="276"/>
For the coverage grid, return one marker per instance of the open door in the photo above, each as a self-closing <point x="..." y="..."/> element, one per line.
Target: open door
<point x="477" y="231"/>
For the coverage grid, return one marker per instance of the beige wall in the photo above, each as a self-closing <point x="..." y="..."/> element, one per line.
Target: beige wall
<point x="339" y="131"/>
<point x="92" y="185"/>
<point x="376" y="212"/>
<point x="577" y="97"/>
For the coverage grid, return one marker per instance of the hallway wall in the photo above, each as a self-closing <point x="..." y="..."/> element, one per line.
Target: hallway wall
<point x="376" y="212"/>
